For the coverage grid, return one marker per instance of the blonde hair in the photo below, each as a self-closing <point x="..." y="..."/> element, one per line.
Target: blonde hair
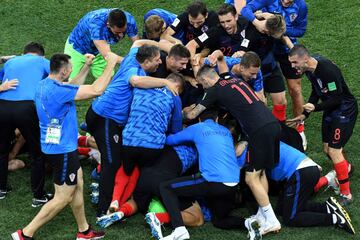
<point x="276" y="25"/>
<point x="153" y="24"/>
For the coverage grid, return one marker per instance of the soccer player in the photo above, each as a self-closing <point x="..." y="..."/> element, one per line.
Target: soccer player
<point x="300" y="174"/>
<point x="173" y="162"/>
<point x="173" y="62"/>
<point x="216" y="182"/>
<point x="55" y="105"/>
<point x="193" y="22"/>
<point x="108" y="114"/>
<point x="295" y="15"/>
<point x="241" y="68"/>
<point x="17" y="110"/>
<point x="256" y="122"/>
<point x="154" y="112"/>
<point x="226" y="37"/>
<point x="155" y="23"/>
<point x="339" y="108"/>
<point x="94" y="34"/>
<point x="263" y="45"/>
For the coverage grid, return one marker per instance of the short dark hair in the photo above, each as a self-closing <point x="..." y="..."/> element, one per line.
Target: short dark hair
<point x="205" y="70"/>
<point x="58" y="61"/>
<point x="146" y="52"/>
<point x="117" y="18"/>
<point x="196" y="8"/>
<point x="34" y="47"/>
<point x="179" y="50"/>
<point x="299" y="50"/>
<point x="275" y="24"/>
<point x="211" y="113"/>
<point x="177" y="78"/>
<point x="153" y="24"/>
<point x="225" y="9"/>
<point x="250" y="59"/>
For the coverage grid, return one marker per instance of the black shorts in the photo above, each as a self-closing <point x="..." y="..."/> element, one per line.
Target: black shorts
<point x="264" y="148"/>
<point x="168" y="167"/>
<point x="65" y="167"/>
<point x="139" y="156"/>
<point x="288" y="71"/>
<point x="274" y="83"/>
<point x="336" y="131"/>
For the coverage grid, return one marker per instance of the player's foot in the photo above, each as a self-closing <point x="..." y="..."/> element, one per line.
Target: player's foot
<point x="83" y="126"/>
<point x="253" y="228"/>
<point x="91" y="234"/>
<point x="94" y="197"/>
<point x="4" y="192"/>
<point x="304" y="140"/>
<point x="94" y="186"/>
<point x="259" y="217"/>
<point x="270" y="227"/>
<point x="38" y="202"/>
<point x="95" y="175"/>
<point x="345" y="200"/>
<point x="154" y="224"/>
<point x="334" y="206"/>
<point x="18" y="235"/>
<point x="180" y="233"/>
<point x="107" y="220"/>
<point x="333" y="182"/>
<point x="114" y="206"/>
<point x="95" y="155"/>
<point x="343" y="218"/>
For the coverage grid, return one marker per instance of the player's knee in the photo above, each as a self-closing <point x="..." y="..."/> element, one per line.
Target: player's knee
<point x="279" y="99"/>
<point x="295" y="91"/>
<point x="250" y="179"/>
<point x="63" y="199"/>
<point x="334" y="153"/>
<point x="198" y="218"/>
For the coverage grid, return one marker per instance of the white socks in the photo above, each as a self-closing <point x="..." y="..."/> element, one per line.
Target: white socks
<point x="268" y="213"/>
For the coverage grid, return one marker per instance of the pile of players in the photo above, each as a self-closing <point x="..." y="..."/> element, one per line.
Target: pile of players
<point x="183" y="119"/>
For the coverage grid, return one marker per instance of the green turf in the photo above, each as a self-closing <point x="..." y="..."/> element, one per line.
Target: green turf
<point x="333" y="31"/>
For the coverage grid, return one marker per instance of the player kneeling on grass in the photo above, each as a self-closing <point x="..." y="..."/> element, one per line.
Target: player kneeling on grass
<point x="55" y="105"/>
<point x="301" y="174"/>
<point x="215" y="182"/>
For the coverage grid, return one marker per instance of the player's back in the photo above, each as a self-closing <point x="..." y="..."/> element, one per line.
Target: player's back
<point x="29" y="70"/>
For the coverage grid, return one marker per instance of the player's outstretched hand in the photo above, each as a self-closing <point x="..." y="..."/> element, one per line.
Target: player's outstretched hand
<point x="260" y="25"/>
<point x="238" y="54"/>
<point x="3" y="59"/>
<point x="9" y="85"/>
<point x="309" y="107"/>
<point x="189" y="108"/>
<point x="295" y="121"/>
<point x="89" y="58"/>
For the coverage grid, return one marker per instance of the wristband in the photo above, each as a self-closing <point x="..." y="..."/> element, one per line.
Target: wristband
<point x="306" y="114"/>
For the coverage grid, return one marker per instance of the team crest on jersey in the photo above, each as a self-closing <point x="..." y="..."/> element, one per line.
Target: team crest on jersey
<point x="204" y="28"/>
<point x="319" y="82"/>
<point x="293" y="16"/>
<point x="322" y="88"/>
<point x="242" y="33"/>
<point x="116" y="138"/>
<point x="72" y="177"/>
